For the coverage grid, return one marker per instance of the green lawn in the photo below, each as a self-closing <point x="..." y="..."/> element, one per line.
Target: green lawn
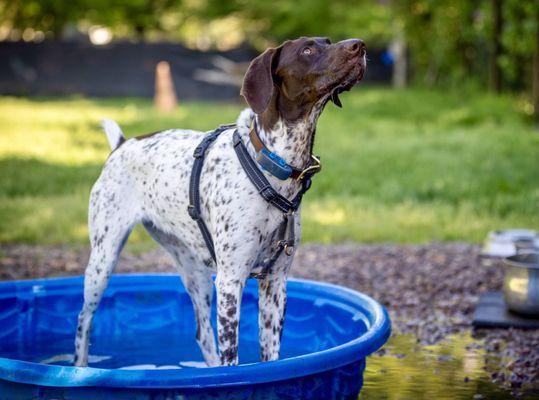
<point x="399" y="166"/>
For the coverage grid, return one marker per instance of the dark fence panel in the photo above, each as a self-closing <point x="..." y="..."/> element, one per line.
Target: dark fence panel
<point x="123" y="69"/>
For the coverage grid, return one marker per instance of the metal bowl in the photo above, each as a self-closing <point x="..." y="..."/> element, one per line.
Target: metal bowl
<point x="521" y="282"/>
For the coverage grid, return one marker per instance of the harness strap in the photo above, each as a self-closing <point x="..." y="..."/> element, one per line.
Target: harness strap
<point x="285" y="234"/>
<point x="193" y="209"/>
<point x="286" y="243"/>
<point x="259" y="180"/>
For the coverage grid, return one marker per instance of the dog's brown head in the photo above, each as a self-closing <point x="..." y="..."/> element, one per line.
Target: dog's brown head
<point x="289" y="80"/>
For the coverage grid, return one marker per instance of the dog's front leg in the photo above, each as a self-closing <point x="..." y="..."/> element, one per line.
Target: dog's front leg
<point x="229" y="289"/>
<point x="271" y="305"/>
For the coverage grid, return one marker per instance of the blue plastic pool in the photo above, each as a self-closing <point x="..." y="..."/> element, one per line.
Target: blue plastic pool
<point x="143" y="343"/>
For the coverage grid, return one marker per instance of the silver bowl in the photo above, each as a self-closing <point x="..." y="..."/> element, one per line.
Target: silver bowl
<point x="521" y="282"/>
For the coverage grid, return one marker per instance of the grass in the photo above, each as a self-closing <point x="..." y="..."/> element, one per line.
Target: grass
<point x="399" y="166"/>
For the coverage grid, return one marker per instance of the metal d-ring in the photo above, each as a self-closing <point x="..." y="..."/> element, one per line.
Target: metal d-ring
<point x="288" y="250"/>
<point x="315" y="168"/>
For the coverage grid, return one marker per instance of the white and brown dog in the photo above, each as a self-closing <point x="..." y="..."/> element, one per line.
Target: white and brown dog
<point x="146" y="179"/>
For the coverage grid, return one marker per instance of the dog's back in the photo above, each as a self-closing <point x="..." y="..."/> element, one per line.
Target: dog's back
<point x="146" y="177"/>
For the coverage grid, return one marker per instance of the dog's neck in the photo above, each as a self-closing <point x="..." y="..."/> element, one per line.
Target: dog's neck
<point x="292" y="141"/>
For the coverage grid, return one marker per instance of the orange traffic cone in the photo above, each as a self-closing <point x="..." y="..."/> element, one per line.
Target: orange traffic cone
<point x="165" y="95"/>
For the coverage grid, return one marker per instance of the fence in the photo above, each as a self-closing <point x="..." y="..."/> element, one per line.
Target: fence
<point x="128" y="69"/>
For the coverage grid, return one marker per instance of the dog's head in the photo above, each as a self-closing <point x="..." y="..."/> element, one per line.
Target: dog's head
<point x="289" y="80"/>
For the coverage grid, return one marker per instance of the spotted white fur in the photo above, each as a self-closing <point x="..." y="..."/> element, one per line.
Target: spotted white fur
<point x="146" y="181"/>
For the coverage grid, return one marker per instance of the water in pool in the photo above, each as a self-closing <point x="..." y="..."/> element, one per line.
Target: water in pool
<point x="142" y="352"/>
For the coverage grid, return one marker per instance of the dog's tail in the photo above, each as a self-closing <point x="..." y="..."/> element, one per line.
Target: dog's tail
<point x="114" y="134"/>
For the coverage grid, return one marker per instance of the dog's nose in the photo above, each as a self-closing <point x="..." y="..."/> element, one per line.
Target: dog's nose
<point x="355" y="46"/>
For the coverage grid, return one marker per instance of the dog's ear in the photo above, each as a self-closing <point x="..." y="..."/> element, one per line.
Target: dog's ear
<point x="258" y="85"/>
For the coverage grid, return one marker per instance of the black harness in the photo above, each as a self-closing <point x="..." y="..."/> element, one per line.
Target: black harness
<point x="285" y="231"/>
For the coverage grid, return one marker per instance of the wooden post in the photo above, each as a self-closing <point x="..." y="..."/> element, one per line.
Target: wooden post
<point x="165" y="95"/>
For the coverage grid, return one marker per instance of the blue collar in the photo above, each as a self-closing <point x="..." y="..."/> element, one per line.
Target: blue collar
<point x="276" y="165"/>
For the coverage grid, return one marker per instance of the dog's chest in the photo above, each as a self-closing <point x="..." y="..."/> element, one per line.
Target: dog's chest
<point x="234" y="212"/>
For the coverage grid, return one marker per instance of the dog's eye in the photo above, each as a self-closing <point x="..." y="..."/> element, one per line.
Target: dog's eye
<point x="307" y="51"/>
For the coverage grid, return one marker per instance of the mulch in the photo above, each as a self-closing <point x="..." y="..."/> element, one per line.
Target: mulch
<point x="429" y="290"/>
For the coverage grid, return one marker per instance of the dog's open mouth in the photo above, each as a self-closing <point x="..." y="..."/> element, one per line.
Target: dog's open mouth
<point x="353" y="78"/>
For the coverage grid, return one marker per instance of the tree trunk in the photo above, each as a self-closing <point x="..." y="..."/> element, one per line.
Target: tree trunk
<point x="495" y="71"/>
<point x="466" y="44"/>
<point x="400" y="63"/>
<point x="535" y="89"/>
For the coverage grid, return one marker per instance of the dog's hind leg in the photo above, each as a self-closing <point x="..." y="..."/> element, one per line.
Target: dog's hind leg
<point x="110" y="223"/>
<point x="197" y="280"/>
<point x="199" y="285"/>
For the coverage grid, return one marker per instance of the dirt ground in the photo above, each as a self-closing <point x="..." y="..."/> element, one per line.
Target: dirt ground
<point x="429" y="290"/>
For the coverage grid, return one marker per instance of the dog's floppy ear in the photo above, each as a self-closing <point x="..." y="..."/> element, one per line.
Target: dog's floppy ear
<point x="257" y="88"/>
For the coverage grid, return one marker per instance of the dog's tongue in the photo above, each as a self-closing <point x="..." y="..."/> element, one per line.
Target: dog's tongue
<point x="335" y="98"/>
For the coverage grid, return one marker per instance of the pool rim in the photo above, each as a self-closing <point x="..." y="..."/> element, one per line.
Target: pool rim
<point x="198" y="378"/>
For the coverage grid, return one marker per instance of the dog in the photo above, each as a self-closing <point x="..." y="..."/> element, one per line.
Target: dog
<point x="146" y="180"/>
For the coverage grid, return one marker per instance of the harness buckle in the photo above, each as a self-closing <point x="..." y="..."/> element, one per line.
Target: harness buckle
<point x="193" y="212"/>
<point x="311" y="170"/>
<point x="199" y="151"/>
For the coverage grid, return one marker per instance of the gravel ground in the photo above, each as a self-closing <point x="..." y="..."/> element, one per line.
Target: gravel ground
<point x="430" y="290"/>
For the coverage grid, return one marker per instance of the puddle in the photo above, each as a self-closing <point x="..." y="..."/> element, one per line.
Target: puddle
<point x="452" y="369"/>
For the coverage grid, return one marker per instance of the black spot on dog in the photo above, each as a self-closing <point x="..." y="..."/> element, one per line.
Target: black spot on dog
<point x="231" y="312"/>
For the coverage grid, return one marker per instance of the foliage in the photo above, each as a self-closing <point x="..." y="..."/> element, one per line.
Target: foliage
<point x="446" y="39"/>
<point x="399" y="166"/>
<point x="137" y="16"/>
<point x="279" y="20"/>
<point x="449" y="41"/>
<point x="521" y="27"/>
